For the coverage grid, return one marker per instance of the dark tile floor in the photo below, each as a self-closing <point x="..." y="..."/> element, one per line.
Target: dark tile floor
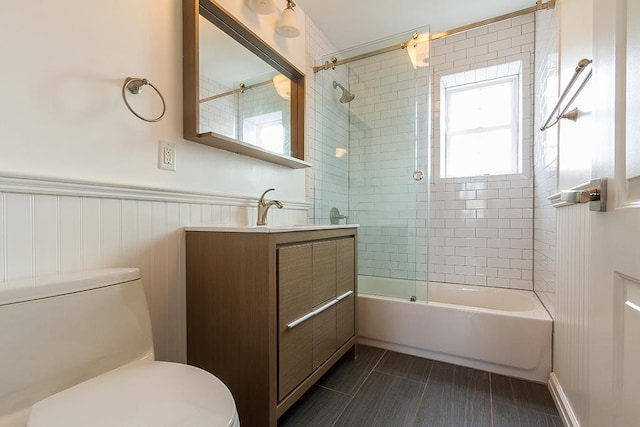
<point x="385" y="388"/>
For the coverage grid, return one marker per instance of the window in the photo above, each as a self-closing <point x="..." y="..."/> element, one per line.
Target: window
<point x="480" y="122"/>
<point x="265" y="131"/>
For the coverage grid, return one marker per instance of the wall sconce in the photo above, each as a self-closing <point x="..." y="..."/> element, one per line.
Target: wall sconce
<point x="418" y="50"/>
<point x="341" y="152"/>
<point x="282" y="85"/>
<point x="262" y="7"/>
<point x="288" y="25"/>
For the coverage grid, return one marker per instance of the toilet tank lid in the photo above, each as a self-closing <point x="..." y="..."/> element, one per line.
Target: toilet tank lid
<point x="64" y="283"/>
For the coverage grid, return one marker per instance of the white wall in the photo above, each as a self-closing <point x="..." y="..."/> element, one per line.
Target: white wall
<point x="576" y="43"/>
<point x="62" y="120"/>
<point x="62" y="114"/>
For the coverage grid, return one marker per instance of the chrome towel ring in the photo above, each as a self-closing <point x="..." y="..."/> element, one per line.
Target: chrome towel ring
<point x="134" y="85"/>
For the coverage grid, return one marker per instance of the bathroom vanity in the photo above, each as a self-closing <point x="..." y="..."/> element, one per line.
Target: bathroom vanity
<point x="270" y="310"/>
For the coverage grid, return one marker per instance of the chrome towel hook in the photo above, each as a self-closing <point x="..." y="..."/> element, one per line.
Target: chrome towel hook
<point x="134" y="85"/>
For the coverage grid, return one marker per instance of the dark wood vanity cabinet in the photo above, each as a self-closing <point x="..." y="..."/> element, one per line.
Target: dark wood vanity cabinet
<point x="270" y="313"/>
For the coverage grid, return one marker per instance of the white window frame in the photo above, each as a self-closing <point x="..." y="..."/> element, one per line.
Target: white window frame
<point x="259" y="122"/>
<point x="483" y="77"/>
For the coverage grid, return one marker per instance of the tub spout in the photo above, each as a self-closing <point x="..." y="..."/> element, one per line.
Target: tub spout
<point x="263" y="207"/>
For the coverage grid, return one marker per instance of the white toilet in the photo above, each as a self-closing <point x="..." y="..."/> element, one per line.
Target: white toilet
<point x="77" y="350"/>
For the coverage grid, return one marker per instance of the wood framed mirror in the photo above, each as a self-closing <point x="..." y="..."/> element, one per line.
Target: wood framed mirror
<point x="239" y="94"/>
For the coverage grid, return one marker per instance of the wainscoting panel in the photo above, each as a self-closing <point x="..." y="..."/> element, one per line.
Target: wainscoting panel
<point x="571" y="326"/>
<point x="50" y="227"/>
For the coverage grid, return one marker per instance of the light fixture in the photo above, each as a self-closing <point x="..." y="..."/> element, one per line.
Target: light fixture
<point x="282" y="85"/>
<point x="341" y="152"/>
<point x="418" y="50"/>
<point x="288" y="25"/>
<point x="262" y="7"/>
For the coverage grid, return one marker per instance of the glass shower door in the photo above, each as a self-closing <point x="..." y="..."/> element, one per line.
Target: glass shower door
<point x="373" y="121"/>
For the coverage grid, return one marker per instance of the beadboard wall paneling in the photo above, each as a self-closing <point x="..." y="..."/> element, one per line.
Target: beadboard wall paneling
<point x="43" y="234"/>
<point x="571" y="325"/>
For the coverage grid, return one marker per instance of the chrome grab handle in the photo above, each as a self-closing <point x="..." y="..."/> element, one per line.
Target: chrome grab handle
<point x="343" y="296"/>
<point x="311" y="314"/>
<point x="300" y="320"/>
<point x="318" y="310"/>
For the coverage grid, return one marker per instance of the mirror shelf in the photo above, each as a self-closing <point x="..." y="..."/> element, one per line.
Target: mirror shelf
<point x="238" y="147"/>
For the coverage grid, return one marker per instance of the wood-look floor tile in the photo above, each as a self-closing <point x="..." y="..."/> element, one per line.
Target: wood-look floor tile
<point x="388" y="389"/>
<point x="523" y="394"/>
<point x="319" y="407"/>
<point x="383" y="400"/>
<point x="455" y="396"/>
<point x="405" y="366"/>
<point x="347" y="375"/>
<point x="513" y="416"/>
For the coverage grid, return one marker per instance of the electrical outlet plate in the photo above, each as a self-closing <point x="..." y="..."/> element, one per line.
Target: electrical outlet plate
<point x="167" y="156"/>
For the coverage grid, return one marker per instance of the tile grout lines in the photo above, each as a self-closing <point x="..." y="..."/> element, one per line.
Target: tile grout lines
<point x="358" y="389"/>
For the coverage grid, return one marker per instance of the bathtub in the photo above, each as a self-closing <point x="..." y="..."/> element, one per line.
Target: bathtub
<point x="504" y="331"/>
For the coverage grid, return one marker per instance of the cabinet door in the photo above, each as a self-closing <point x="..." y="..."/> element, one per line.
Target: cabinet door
<point x="345" y="309"/>
<point x="345" y="265"/>
<point x="295" y="345"/>
<point x="324" y="336"/>
<point x="324" y="271"/>
<point x="345" y="318"/>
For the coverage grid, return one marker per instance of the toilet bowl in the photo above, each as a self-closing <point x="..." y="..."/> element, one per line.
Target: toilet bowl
<point x="80" y="352"/>
<point x="140" y="394"/>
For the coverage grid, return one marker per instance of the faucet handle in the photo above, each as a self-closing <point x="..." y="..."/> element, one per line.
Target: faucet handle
<point x="335" y="216"/>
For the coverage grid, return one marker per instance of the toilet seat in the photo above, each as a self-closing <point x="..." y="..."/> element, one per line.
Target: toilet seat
<point x="143" y="393"/>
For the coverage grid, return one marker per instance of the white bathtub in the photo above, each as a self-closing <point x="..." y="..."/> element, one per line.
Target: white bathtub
<point x="498" y="330"/>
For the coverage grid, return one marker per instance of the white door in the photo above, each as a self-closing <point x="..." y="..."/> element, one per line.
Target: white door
<point x="614" y="338"/>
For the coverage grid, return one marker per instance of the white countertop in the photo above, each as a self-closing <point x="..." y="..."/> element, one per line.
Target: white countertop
<point x="268" y="228"/>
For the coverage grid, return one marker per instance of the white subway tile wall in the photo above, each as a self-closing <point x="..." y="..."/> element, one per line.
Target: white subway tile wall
<point x="390" y="97"/>
<point x="545" y="159"/>
<point x="219" y="115"/>
<point x="226" y="115"/>
<point x="481" y="228"/>
<point x="263" y="100"/>
<point x="327" y="128"/>
<point x="477" y="230"/>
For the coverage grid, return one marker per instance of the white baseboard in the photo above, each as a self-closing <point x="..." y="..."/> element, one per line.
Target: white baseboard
<point x="560" y="398"/>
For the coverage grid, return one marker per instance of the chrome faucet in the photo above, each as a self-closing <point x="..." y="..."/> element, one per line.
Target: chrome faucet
<point x="263" y="207"/>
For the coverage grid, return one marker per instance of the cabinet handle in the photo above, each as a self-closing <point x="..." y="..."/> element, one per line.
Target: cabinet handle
<point x="311" y="314"/>
<point x="343" y="296"/>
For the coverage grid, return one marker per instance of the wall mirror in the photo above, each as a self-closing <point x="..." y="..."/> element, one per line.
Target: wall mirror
<point x="240" y="95"/>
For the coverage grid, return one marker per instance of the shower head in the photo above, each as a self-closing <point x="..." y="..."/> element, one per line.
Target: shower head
<point x="346" y="95"/>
